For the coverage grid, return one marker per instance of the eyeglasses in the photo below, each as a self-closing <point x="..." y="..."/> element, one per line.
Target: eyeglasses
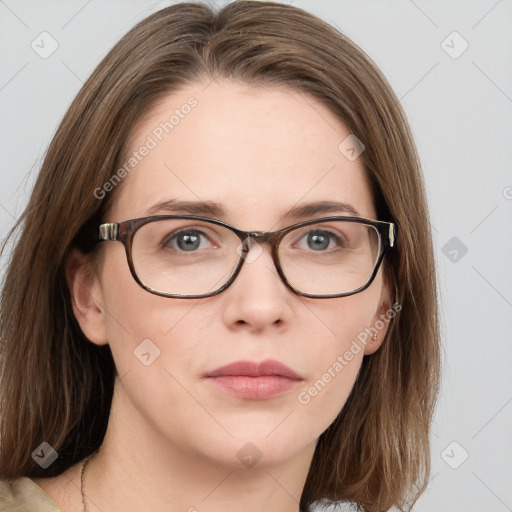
<point x="188" y="256"/>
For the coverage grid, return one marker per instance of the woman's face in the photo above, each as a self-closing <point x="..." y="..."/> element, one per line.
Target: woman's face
<point x="258" y="152"/>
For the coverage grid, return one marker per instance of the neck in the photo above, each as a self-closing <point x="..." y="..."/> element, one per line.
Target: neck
<point x="137" y="468"/>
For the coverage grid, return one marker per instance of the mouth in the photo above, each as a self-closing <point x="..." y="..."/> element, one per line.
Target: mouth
<point x="251" y="380"/>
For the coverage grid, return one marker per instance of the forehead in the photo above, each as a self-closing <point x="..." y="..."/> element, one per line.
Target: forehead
<point x="258" y="151"/>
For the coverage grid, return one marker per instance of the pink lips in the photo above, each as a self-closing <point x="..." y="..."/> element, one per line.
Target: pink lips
<point x="254" y="381"/>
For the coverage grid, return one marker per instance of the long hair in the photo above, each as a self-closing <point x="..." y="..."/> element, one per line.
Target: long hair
<point x="56" y="386"/>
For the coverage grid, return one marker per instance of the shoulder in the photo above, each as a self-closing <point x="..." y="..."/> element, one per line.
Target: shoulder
<point x="24" y="495"/>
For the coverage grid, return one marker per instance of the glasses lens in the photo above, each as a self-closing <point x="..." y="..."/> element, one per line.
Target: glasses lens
<point x="184" y="256"/>
<point x="332" y="257"/>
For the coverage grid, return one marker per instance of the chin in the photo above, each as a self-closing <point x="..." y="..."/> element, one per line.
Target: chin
<point x="258" y="449"/>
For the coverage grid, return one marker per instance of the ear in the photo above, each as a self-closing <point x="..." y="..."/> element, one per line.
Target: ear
<point x="380" y="322"/>
<point x="86" y="297"/>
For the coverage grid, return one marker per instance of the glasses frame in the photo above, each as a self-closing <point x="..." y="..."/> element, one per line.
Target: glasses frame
<point x="124" y="232"/>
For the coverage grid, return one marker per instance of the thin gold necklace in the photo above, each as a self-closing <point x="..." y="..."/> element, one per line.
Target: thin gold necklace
<point x="82" y="481"/>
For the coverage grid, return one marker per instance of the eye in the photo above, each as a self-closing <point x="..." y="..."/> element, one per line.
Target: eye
<point x="188" y="240"/>
<point x="321" y="240"/>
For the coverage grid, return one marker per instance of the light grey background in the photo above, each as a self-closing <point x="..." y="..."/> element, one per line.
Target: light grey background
<point x="460" y="110"/>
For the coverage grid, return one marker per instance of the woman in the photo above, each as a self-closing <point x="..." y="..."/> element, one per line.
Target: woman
<point x="223" y="292"/>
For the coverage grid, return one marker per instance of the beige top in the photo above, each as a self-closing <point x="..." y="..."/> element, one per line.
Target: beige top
<point x="24" y="495"/>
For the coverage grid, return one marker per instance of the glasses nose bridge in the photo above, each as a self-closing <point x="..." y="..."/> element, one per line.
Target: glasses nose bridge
<point x="261" y="237"/>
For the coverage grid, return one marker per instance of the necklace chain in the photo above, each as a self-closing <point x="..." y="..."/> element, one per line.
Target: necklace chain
<point x="82" y="481"/>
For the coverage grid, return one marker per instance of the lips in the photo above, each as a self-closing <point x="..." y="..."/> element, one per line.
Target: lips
<point x="269" y="367"/>
<point x="251" y="380"/>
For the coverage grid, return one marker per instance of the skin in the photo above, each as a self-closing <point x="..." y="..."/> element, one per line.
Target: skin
<point x="172" y="439"/>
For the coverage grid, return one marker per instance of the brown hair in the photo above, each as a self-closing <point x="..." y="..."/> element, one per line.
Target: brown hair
<point x="55" y="386"/>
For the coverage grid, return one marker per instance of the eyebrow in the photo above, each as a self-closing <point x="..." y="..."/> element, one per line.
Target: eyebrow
<point x="214" y="209"/>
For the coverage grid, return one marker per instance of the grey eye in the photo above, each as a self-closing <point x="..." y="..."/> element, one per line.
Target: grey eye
<point x="318" y="240"/>
<point x="188" y="240"/>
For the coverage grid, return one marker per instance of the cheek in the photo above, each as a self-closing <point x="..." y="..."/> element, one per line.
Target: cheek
<point x="335" y="356"/>
<point x="154" y="345"/>
<point x="140" y="323"/>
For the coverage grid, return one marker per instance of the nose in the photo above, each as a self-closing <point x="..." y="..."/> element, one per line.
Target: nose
<point x="258" y="299"/>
